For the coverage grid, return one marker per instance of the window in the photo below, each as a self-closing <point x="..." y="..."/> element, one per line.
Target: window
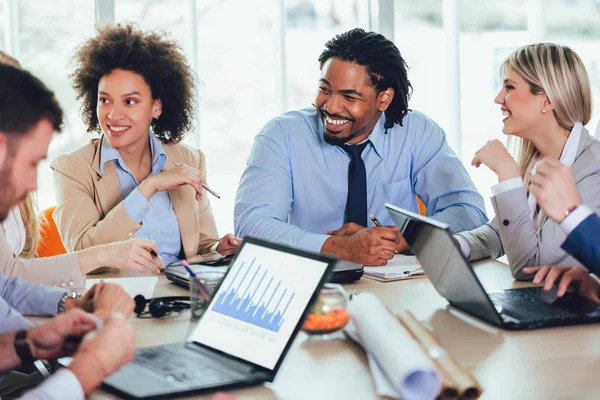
<point x="238" y="66"/>
<point x="47" y="37"/>
<point x="310" y="24"/>
<point x="490" y="31"/>
<point x="574" y="23"/>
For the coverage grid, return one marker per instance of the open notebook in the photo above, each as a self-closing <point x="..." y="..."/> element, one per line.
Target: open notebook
<point x="398" y="268"/>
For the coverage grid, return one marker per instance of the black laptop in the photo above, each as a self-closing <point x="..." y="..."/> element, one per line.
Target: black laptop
<point x="344" y="272"/>
<point x="454" y="279"/>
<point x="245" y="333"/>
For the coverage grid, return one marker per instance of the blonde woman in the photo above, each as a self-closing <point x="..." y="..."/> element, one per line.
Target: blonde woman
<point x="545" y="100"/>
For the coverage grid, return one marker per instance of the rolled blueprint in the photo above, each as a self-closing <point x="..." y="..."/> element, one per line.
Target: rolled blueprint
<point x="398" y="355"/>
<point x="457" y="380"/>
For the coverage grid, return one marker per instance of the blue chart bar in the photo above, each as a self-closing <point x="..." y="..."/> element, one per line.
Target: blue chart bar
<point x="237" y="301"/>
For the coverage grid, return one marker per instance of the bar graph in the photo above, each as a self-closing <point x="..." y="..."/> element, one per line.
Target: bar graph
<point x="254" y="297"/>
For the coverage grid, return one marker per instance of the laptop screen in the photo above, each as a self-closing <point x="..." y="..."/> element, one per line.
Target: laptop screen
<point x="257" y="307"/>
<point x="443" y="262"/>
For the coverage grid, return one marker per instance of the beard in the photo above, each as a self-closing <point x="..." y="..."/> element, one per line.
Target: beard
<point x="336" y="140"/>
<point x="8" y="195"/>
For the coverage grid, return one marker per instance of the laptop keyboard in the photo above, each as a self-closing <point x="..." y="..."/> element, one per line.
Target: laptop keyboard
<point x="184" y="367"/>
<point x="528" y="307"/>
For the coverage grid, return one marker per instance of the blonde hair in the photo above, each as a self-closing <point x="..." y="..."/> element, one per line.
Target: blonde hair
<point x="27" y="207"/>
<point x="557" y="72"/>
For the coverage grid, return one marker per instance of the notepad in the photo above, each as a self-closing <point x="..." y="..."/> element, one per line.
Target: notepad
<point x="400" y="267"/>
<point x="133" y="286"/>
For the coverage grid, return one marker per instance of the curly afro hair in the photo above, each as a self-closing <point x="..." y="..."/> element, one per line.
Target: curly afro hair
<point x="159" y="60"/>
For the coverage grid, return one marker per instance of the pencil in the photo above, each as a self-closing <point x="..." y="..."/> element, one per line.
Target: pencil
<point x="154" y="254"/>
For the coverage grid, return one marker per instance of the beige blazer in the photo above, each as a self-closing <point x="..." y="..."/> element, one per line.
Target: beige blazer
<point x="90" y="210"/>
<point x="512" y="232"/>
<point x="62" y="271"/>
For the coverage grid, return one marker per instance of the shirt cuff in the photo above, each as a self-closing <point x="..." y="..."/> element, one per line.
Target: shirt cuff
<point x="575" y="218"/>
<point x="63" y="385"/>
<point x="137" y="206"/>
<point x="465" y="247"/>
<point x="507" y="185"/>
<point x="312" y="242"/>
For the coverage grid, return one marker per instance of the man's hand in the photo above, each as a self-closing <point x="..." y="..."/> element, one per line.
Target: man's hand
<point x="351" y="228"/>
<point x="49" y="340"/>
<point x="554" y="188"/>
<point x="103" y="352"/>
<point x="368" y="246"/>
<point x="109" y="298"/>
<point x="575" y="276"/>
<point x="347" y="229"/>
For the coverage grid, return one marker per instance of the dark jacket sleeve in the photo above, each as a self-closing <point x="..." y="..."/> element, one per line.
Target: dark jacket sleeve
<point x="583" y="243"/>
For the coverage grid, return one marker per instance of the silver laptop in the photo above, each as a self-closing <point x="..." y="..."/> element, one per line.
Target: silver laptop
<point x="453" y="277"/>
<point x="245" y="333"/>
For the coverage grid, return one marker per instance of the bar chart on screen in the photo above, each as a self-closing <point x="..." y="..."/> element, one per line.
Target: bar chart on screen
<point x="256" y="297"/>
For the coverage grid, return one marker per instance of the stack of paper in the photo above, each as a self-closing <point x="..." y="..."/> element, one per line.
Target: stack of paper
<point x="132" y="285"/>
<point x="400" y="267"/>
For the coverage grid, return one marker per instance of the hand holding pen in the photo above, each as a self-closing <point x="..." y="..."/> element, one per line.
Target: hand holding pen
<point x="197" y="174"/>
<point x="173" y="178"/>
<point x="145" y="257"/>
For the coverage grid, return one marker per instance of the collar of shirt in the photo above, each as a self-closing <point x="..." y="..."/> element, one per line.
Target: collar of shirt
<point x="377" y="138"/>
<point x="567" y="157"/>
<point x="109" y="153"/>
<point x="569" y="153"/>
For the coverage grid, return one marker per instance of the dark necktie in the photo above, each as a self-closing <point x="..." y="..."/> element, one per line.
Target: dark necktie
<point x="356" y="203"/>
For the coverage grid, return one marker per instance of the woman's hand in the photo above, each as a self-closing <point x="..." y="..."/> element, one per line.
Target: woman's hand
<point x="554" y="188"/>
<point x="228" y="244"/>
<point x="575" y="276"/>
<point x="498" y="159"/>
<point x="181" y="175"/>
<point x="133" y="254"/>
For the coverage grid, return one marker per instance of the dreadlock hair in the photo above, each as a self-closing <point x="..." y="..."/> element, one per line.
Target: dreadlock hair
<point x="385" y="67"/>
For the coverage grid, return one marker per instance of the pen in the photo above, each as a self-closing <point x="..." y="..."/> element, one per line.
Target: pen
<point x="196" y="281"/>
<point x="375" y="221"/>
<point x="203" y="185"/>
<point x="154" y="254"/>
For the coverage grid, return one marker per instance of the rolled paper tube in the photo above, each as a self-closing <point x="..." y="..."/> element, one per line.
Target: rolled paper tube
<point x="455" y="378"/>
<point x="400" y="357"/>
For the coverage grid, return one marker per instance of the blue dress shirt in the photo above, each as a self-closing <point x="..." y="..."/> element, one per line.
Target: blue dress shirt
<point x="156" y="215"/>
<point x="295" y="185"/>
<point x="63" y="385"/>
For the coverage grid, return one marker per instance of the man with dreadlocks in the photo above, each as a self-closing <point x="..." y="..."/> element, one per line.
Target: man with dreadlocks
<point x="315" y="175"/>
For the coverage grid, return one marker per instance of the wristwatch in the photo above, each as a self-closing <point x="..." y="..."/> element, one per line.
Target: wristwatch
<point x="23" y="348"/>
<point x="64" y="298"/>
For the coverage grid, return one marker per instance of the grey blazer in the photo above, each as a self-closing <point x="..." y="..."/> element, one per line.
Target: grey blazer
<point x="513" y="232"/>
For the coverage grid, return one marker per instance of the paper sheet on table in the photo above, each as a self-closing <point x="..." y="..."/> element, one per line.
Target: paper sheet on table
<point x="400" y="358"/>
<point x="143" y="285"/>
<point x="400" y="266"/>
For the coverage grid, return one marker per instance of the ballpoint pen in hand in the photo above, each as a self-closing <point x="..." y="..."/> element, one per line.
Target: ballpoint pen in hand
<point x="378" y="224"/>
<point x="201" y="288"/>
<point x="203" y="185"/>
<point x="154" y="254"/>
<point x="375" y="221"/>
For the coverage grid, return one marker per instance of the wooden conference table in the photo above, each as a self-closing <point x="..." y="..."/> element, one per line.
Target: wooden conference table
<point x="559" y="363"/>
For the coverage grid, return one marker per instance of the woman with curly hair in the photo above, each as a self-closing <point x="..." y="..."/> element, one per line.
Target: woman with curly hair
<point x="137" y="90"/>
